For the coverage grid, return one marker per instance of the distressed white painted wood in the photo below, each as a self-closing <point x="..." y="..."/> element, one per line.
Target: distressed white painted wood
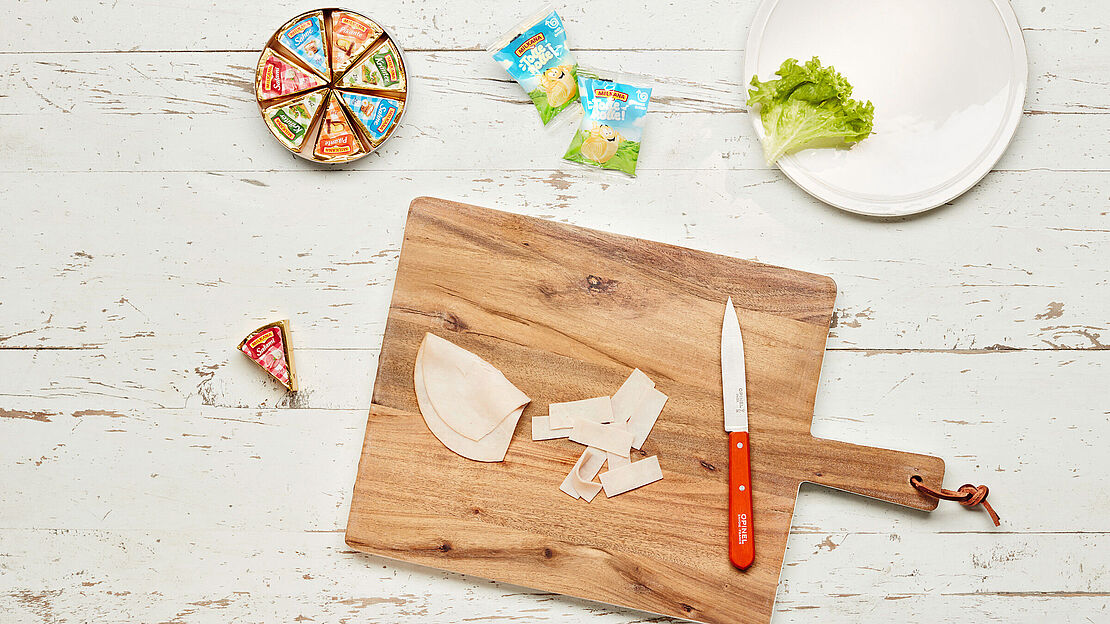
<point x="150" y="473"/>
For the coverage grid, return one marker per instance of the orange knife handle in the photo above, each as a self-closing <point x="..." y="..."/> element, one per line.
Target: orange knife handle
<point x="741" y="547"/>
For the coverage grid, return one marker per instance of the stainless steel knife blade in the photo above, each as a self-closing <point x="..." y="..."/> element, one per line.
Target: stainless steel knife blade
<point x="733" y="378"/>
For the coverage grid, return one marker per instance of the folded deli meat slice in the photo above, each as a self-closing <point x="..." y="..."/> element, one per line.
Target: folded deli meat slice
<point x="380" y="69"/>
<point x="277" y="77"/>
<point x="351" y="34"/>
<point x="376" y="115"/>
<point x="467" y="392"/>
<point x="490" y="448"/>
<point x="579" y="482"/>
<point x="304" y="37"/>
<point x="268" y="346"/>
<point x="290" y="122"/>
<point x="337" y="141"/>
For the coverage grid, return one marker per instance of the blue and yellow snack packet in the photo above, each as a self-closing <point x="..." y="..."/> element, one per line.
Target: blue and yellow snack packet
<point x="536" y="55"/>
<point x="610" y="133"/>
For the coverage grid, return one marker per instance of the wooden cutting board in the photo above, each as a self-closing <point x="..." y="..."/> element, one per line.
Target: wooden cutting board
<point x="566" y="313"/>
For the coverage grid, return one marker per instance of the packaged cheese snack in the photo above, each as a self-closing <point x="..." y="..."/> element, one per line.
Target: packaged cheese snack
<point x="277" y="77"/>
<point x="268" y="346"/>
<point x="380" y="69"/>
<point x="290" y="122"/>
<point x="610" y="133"/>
<point x="304" y="37"/>
<point x="536" y="55"/>
<point x="376" y="115"/>
<point x="337" y="141"/>
<point x="351" y="34"/>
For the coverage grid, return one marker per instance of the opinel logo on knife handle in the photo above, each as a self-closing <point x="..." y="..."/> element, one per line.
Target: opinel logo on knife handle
<point x="741" y="546"/>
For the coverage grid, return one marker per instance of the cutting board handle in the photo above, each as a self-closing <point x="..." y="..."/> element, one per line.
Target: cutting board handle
<point x="876" y="472"/>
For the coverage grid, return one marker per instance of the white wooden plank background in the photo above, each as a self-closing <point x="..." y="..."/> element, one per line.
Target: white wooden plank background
<point x="151" y="474"/>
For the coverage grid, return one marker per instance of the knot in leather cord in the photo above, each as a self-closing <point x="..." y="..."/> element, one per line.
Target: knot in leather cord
<point x="968" y="495"/>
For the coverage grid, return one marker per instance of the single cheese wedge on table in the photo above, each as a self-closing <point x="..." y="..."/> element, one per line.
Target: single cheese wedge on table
<point x="268" y="347"/>
<point x="467" y="403"/>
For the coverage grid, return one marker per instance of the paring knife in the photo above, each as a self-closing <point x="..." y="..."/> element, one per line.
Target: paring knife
<point x="741" y="547"/>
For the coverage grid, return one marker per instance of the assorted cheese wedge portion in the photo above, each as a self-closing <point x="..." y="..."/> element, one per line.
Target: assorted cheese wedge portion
<point x="290" y="122"/>
<point x="337" y="141"/>
<point x="381" y="69"/>
<point x="277" y="77"/>
<point x="375" y="115"/>
<point x="467" y="403"/>
<point x="304" y="37"/>
<point x="268" y="347"/>
<point x="351" y="35"/>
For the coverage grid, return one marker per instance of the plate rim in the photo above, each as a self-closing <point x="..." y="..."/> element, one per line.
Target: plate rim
<point x="948" y="191"/>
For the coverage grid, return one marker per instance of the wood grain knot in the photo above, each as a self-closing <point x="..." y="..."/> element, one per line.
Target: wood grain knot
<point x="548" y="553"/>
<point x="600" y="284"/>
<point x="452" y="322"/>
<point x="687" y="608"/>
<point x="444" y="547"/>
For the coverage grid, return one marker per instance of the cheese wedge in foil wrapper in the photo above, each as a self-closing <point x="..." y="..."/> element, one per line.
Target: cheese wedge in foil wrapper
<point x="337" y="141"/>
<point x="291" y="121"/>
<point x="268" y="346"/>
<point x="377" y="115"/>
<point x="351" y="34"/>
<point x="380" y="69"/>
<point x="304" y="37"/>
<point x="277" y="77"/>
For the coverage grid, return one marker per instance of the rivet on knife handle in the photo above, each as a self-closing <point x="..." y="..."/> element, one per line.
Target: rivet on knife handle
<point x="741" y="546"/>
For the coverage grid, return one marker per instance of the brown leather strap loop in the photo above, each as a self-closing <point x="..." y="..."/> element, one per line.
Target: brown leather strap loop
<point x="968" y="495"/>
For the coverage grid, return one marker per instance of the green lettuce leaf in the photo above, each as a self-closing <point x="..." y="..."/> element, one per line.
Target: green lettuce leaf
<point x="808" y="106"/>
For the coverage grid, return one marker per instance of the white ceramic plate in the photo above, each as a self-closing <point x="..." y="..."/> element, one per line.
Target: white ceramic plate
<point x="947" y="78"/>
